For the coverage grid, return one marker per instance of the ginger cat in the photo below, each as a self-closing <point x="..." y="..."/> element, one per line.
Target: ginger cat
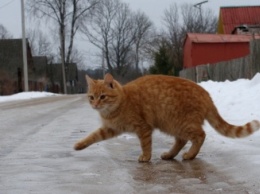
<point x="175" y="106"/>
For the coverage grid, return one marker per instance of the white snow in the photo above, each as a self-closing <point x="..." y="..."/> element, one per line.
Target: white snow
<point x="237" y="101"/>
<point x="25" y="96"/>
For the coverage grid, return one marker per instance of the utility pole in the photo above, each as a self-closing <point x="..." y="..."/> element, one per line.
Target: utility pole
<point x="25" y="65"/>
<point x="198" y="5"/>
<point x="103" y="63"/>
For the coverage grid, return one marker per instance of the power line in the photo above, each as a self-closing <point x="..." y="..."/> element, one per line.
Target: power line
<point x="6" y="4"/>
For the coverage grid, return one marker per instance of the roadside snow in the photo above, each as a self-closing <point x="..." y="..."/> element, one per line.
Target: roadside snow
<point x="25" y="95"/>
<point x="237" y="101"/>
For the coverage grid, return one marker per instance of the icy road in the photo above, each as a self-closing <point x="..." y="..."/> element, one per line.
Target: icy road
<point x="37" y="156"/>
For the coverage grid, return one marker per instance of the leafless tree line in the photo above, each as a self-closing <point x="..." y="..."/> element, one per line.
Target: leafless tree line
<point x="123" y="37"/>
<point x="66" y="14"/>
<point x="119" y="33"/>
<point x="178" y="21"/>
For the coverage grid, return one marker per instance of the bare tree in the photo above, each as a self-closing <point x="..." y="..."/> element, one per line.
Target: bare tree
<point x="78" y="58"/>
<point x="178" y="22"/>
<point x="105" y="32"/>
<point x="98" y="31"/>
<point x="39" y="42"/>
<point x="174" y="34"/>
<point x="143" y="35"/>
<point x="67" y="14"/>
<point x="198" y="20"/>
<point x="4" y="34"/>
<point x="115" y="29"/>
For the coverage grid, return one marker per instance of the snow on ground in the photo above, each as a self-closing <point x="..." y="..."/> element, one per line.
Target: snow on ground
<point x="237" y="101"/>
<point x="25" y="96"/>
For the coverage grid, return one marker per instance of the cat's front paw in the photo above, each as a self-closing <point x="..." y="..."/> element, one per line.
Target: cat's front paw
<point x="144" y="158"/>
<point x="79" y="146"/>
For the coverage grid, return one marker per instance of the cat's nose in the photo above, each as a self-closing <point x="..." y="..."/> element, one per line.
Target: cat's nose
<point x="95" y="105"/>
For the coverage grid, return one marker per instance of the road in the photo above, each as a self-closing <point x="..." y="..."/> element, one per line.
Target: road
<point x="37" y="156"/>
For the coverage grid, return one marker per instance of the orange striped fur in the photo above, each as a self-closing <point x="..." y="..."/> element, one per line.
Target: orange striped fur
<point x="175" y="106"/>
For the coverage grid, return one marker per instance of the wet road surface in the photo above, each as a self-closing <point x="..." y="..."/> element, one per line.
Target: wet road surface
<point x="37" y="156"/>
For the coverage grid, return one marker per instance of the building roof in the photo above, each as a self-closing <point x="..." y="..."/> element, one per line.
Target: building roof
<point x="231" y="17"/>
<point x="11" y="55"/>
<point x="218" y="38"/>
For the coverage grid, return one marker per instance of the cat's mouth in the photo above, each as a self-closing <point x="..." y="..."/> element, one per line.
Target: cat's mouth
<point x="97" y="107"/>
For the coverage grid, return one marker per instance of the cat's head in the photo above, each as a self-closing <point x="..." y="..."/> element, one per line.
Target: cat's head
<point x="104" y="95"/>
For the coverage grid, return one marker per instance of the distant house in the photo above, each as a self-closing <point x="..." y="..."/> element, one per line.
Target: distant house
<point x="40" y="75"/>
<point x="11" y="65"/>
<point x="245" y="19"/>
<point x="71" y="70"/>
<point x="212" y="48"/>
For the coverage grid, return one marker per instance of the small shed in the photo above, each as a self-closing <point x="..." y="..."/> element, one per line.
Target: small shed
<point x="212" y="48"/>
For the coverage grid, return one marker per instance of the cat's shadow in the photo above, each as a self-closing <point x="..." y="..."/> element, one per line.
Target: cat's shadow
<point x="171" y="171"/>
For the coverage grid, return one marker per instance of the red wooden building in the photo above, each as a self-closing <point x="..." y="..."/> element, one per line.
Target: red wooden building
<point x="236" y="27"/>
<point x="212" y="48"/>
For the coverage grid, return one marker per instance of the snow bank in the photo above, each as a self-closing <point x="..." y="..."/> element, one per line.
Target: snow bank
<point x="237" y="101"/>
<point x="26" y="95"/>
<point x="255" y="80"/>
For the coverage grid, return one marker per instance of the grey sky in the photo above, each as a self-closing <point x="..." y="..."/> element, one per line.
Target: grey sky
<point x="10" y="15"/>
<point x="10" y="10"/>
<point x="155" y="8"/>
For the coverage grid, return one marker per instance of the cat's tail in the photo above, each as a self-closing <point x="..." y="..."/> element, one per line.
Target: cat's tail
<point x="228" y="130"/>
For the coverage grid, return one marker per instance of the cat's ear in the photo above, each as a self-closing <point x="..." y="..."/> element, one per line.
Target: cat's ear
<point x="89" y="80"/>
<point x="108" y="79"/>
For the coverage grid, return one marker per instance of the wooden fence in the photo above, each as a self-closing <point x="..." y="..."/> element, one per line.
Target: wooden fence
<point x="245" y="67"/>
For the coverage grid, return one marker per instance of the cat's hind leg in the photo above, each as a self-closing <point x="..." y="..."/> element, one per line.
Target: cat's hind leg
<point x="179" y="144"/>
<point x="197" y="138"/>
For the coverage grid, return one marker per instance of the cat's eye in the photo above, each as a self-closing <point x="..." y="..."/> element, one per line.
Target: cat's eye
<point x="102" y="97"/>
<point x="91" y="97"/>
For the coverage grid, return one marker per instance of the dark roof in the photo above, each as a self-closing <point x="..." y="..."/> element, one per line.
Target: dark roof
<point x="231" y="17"/>
<point x="11" y="55"/>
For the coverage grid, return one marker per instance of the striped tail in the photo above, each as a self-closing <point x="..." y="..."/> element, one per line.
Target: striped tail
<point x="228" y="130"/>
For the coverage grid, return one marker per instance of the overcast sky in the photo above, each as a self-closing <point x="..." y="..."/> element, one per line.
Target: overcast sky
<point x="10" y="11"/>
